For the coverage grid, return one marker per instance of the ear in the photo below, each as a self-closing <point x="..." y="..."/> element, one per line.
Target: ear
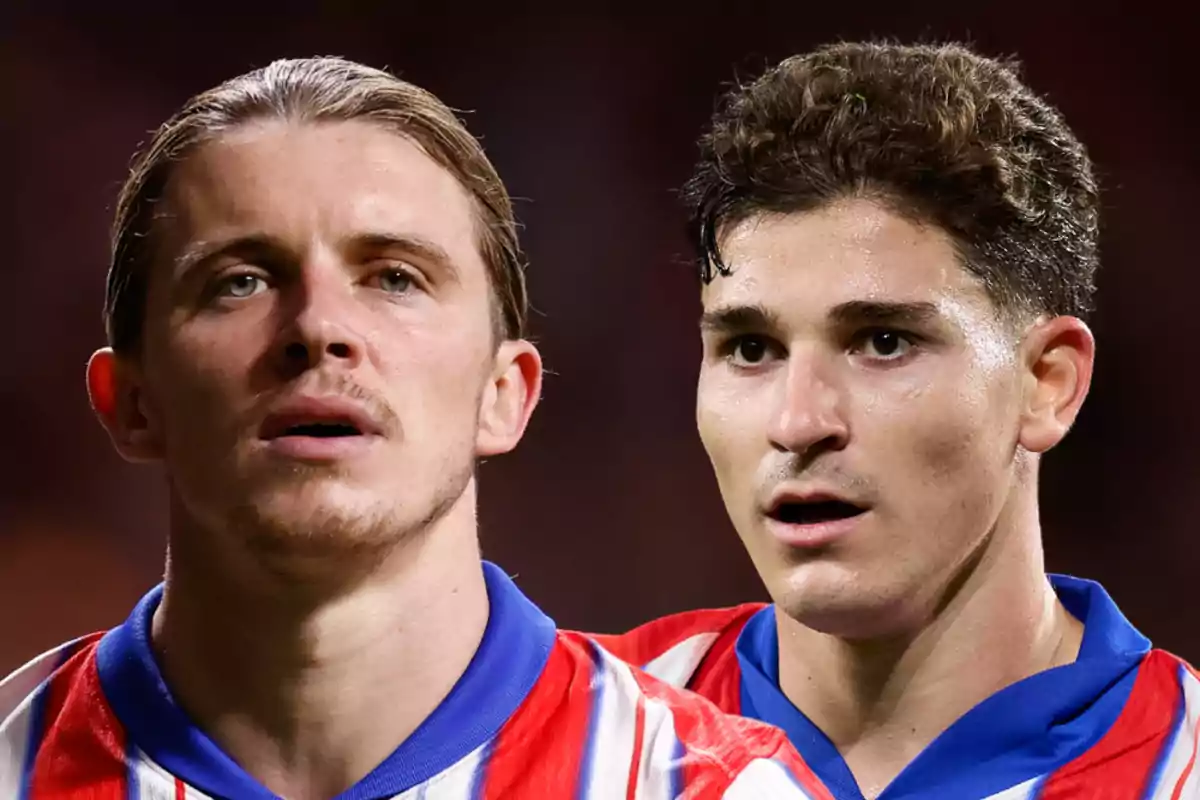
<point x="115" y="389"/>
<point x="509" y="398"/>
<point x="1059" y="354"/>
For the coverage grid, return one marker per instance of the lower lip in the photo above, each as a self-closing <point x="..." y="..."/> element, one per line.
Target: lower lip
<point x="817" y="534"/>
<point x="319" y="448"/>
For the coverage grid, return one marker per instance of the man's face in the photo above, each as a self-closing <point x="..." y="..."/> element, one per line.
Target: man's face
<point x="318" y="336"/>
<point x="860" y="399"/>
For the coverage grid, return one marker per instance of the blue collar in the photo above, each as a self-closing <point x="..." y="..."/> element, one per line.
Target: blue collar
<point x="1023" y="731"/>
<point x="515" y="647"/>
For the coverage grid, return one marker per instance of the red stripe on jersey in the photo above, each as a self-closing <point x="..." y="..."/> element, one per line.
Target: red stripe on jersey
<point x="717" y="747"/>
<point x="718" y="679"/>
<point x="647" y="642"/>
<point x="1125" y="757"/>
<point x="82" y="752"/>
<point x="539" y="751"/>
<point x="639" y="737"/>
<point x="180" y="789"/>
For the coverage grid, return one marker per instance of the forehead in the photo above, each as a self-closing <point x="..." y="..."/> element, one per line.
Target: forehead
<point x="807" y="263"/>
<point x="301" y="182"/>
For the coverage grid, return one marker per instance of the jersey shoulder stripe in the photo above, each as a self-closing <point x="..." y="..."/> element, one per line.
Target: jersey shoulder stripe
<point x="672" y="648"/>
<point x="68" y="714"/>
<point x="1149" y="752"/>
<point x="693" y="650"/>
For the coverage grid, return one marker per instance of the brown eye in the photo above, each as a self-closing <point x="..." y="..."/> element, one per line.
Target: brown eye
<point x="751" y="349"/>
<point x="886" y="345"/>
<point x="748" y="351"/>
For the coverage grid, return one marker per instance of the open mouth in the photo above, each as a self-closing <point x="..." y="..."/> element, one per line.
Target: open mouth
<point x="313" y="425"/>
<point x="321" y="430"/>
<point x="813" y="513"/>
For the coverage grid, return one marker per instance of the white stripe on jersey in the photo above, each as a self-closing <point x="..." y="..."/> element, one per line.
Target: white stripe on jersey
<point x="656" y="763"/>
<point x="14" y="744"/>
<point x="22" y="683"/>
<point x="764" y="779"/>
<point x="1022" y="791"/>
<point x="149" y="782"/>
<point x="1183" y="746"/>
<point x="610" y="750"/>
<point x="13" y="738"/>
<point x="152" y="782"/>
<point x="659" y="773"/>
<point x="456" y="783"/>
<point x="676" y="665"/>
<point x="11" y="758"/>
<point x="18" y="692"/>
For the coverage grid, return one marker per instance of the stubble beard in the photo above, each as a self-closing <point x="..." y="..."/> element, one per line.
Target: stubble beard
<point x="335" y="545"/>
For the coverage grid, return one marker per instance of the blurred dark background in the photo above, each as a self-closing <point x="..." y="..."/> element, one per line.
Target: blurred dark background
<point x="607" y="513"/>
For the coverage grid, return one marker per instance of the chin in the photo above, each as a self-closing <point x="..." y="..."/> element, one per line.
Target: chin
<point x="840" y="602"/>
<point x="313" y="522"/>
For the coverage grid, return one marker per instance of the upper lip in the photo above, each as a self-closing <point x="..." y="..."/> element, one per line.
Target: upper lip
<point x="307" y="410"/>
<point x="785" y="496"/>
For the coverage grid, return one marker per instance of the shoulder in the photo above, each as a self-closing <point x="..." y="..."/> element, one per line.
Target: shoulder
<point x="673" y="648"/>
<point x="18" y="688"/>
<point x="1164" y="675"/>
<point x="1151" y="746"/>
<point x="31" y="697"/>
<point x="1168" y="660"/>
<point x="681" y="738"/>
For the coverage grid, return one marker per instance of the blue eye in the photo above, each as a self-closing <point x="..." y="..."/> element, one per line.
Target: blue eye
<point x="241" y="285"/>
<point x="395" y="281"/>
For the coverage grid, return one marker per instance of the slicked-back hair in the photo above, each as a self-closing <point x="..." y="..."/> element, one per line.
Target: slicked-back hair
<point x="309" y="90"/>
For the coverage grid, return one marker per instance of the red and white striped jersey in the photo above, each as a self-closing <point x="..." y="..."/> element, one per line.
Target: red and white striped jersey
<point x="1120" y="723"/>
<point x="539" y="713"/>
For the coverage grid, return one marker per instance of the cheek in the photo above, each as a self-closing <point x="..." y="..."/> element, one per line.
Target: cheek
<point x="205" y="382"/>
<point x="964" y="438"/>
<point x="444" y="378"/>
<point x="728" y="423"/>
<point x="202" y="374"/>
<point x="946" y="450"/>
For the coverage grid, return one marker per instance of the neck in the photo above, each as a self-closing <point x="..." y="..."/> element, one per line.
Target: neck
<point x="882" y="701"/>
<point x="289" y="681"/>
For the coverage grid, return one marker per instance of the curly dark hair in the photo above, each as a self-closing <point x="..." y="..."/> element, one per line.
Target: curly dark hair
<point x="310" y="90"/>
<point x="937" y="133"/>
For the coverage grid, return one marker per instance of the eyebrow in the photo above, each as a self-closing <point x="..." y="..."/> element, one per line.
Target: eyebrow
<point x="424" y="249"/>
<point x="757" y="317"/>
<point x="738" y="318"/>
<point x="866" y="312"/>
<point x="201" y="253"/>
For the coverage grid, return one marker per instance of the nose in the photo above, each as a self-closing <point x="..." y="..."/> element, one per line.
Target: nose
<point x="808" y="416"/>
<point x="325" y="322"/>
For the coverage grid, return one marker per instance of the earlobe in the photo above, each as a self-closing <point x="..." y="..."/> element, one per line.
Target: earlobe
<point x="1060" y="354"/>
<point x="115" y="391"/>
<point x="509" y="398"/>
